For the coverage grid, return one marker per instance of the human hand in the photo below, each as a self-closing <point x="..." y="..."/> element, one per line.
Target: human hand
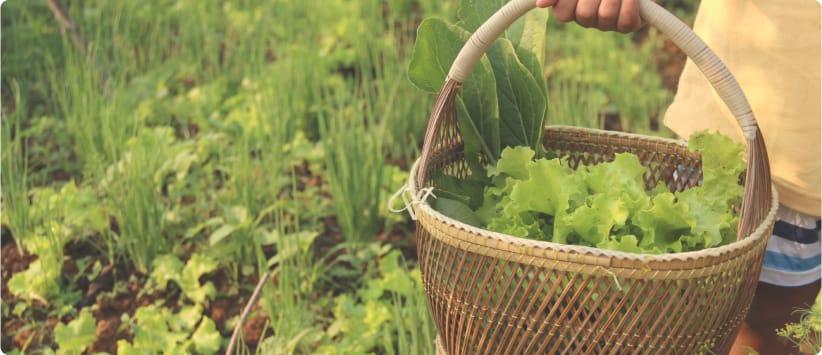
<point x="606" y="15"/>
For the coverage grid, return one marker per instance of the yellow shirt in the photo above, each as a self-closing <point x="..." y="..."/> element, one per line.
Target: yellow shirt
<point x="773" y="50"/>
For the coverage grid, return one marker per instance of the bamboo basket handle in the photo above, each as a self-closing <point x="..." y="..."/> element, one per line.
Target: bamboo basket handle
<point x="758" y="193"/>
<point x="711" y="66"/>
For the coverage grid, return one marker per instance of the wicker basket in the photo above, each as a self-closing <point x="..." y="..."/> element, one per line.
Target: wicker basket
<point x="492" y="293"/>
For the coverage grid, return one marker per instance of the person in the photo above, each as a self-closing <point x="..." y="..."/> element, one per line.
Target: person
<point x="773" y="50"/>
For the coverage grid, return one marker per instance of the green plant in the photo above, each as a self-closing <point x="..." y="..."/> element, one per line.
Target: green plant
<point x="95" y="110"/>
<point x="503" y="103"/>
<point x="605" y="205"/>
<point x="134" y="195"/>
<point x="168" y="267"/>
<point x="411" y="324"/>
<point x="27" y="317"/>
<point x="23" y="24"/>
<point x="807" y="333"/>
<point x="77" y="335"/>
<point x="56" y="218"/>
<point x="382" y="69"/>
<point x="574" y="103"/>
<point x="15" y="172"/>
<point x="355" y="162"/>
<point x="158" y="330"/>
<point x="389" y="314"/>
<point x="256" y="181"/>
<point x="287" y="303"/>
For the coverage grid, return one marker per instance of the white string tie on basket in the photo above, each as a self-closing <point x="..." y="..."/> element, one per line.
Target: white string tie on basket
<point x="409" y="200"/>
<point x="612" y="274"/>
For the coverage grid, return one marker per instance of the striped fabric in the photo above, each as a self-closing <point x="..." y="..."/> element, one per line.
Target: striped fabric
<point x="794" y="254"/>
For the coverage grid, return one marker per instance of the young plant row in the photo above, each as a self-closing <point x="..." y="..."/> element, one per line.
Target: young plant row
<point x="182" y="150"/>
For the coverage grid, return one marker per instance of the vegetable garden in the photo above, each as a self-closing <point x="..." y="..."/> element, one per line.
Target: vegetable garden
<point x="162" y="160"/>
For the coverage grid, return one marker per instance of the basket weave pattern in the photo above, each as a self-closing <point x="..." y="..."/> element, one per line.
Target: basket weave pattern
<point x="492" y="293"/>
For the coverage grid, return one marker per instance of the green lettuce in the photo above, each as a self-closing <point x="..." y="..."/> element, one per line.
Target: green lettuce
<point x="607" y="205"/>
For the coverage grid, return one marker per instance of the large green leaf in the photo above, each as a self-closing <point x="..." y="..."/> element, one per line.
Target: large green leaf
<point x="457" y="210"/>
<point x="166" y="268"/>
<point x="663" y="223"/>
<point x="534" y="36"/>
<point x="478" y="115"/>
<point x="473" y="13"/>
<point x="535" y="64"/>
<point x="523" y="99"/>
<point x="504" y="101"/>
<point x="466" y="190"/>
<point x="438" y="43"/>
<point x="594" y="220"/>
<point x="520" y="97"/>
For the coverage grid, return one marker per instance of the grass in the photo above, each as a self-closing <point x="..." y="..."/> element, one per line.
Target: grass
<point x="257" y="135"/>
<point x="15" y="171"/>
<point x="134" y="195"/>
<point x="287" y="304"/>
<point x="355" y="164"/>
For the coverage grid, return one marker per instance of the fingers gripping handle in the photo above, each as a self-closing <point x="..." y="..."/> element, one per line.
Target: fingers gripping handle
<point x="711" y="66"/>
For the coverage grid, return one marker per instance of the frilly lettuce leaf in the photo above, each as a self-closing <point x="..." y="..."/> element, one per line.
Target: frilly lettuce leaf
<point x="607" y="205"/>
<point x="594" y="220"/>
<point x="551" y="187"/>
<point x="662" y="224"/>
<point x="722" y="166"/>
<point x="513" y="162"/>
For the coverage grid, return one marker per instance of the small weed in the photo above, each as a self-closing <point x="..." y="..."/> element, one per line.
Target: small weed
<point x="75" y="336"/>
<point x="159" y="330"/>
<point x="807" y="333"/>
<point x="135" y="197"/>
<point x="15" y="172"/>
<point x="355" y="163"/>
<point x="56" y="217"/>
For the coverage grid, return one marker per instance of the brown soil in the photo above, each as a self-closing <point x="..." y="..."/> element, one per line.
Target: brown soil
<point x="14" y="333"/>
<point x="13" y="261"/>
<point x="114" y="295"/>
<point x="108" y="316"/>
<point x="110" y="305"/>
<point x="253" y="330"/>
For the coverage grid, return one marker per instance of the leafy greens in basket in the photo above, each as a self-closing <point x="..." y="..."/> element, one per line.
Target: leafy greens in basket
<point x="504" y="101"/>
<point x="501" y="112"/>
<point x="605" y="205"/>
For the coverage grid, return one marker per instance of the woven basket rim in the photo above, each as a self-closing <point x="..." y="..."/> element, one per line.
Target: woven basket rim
<point x="578" y="253"/>
<point x="558" y="127"/>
